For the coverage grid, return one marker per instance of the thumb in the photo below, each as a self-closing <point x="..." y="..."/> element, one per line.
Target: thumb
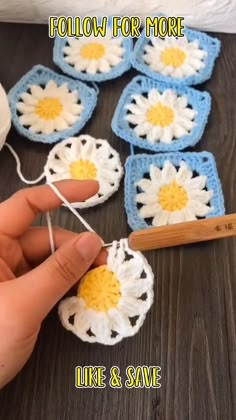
<point x="46" y="284"/>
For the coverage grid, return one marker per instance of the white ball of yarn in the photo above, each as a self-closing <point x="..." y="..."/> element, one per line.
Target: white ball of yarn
<point x="5" y="117"/>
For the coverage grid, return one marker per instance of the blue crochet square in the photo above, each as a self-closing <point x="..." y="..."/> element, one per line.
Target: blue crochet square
<point x="114" y="72"/>
<point x="209" y="44"/>
<point x="40" y="76"/>
<point x="141" y="85"/>
<point x="138" y="167"/>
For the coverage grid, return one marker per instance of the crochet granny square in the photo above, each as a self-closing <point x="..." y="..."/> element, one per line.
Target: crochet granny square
<point x="161" y="117"/>
<point x="112" y="300"/>
<point x="93" y="58"/>
<point x="171" y="188"/>
<point x="48" y="107"/>
<point x="188" y="60"/>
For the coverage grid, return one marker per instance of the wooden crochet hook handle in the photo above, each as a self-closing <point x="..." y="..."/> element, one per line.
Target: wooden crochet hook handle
<point x="183" y="233"/>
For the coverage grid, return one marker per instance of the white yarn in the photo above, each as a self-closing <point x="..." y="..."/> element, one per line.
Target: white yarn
<point x="69" y="206"/>
<point x="18" y="168"/>
<point x="135" y="278"/>
<point x="5" y="117"/>
<point x="84" y="148"/>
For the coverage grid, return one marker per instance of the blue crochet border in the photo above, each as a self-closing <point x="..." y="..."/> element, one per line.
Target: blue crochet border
<point x="136" y="166"/>
<point x="41" y="75"/>
<point x="200" y="101"/>
<point x="115" y="72"/>
<point x="209" y="44"/>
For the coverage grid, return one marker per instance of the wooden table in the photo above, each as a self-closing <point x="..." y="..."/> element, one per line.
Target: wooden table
<point x="190" y="330"/>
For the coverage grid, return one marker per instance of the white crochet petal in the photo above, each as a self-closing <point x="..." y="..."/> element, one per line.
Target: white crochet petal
<point x="36" y="91"/>
<point x="120" y="323"/>
<point x="100" y="327"/>
<point x="202" y="196"/>
<point x="150" y="210"/>
<point x="145" y="198"/>
<point x="197" y="182"/>
<point x="146" y="185"/>
<point x="168" y="172"/>
<point x="199" y="208"/>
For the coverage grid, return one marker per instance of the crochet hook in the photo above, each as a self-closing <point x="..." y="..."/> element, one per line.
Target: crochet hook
<point x="183" y="233"/>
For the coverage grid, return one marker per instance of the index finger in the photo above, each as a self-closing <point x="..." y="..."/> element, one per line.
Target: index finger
<point x="19" y="211"/>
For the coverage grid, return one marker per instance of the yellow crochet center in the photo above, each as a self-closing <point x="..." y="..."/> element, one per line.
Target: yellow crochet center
<point x="172" y="197"/>
<point x="83" y="169"/>
<point x="93" y="51"/>
<point x="160" y="115"/>
<point x="48" y="108"/>
<point x="100" y="289"/>
<point x="173" y="56"/>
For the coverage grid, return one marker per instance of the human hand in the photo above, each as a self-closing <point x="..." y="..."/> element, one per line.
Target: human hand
<point x="32" y="281"/>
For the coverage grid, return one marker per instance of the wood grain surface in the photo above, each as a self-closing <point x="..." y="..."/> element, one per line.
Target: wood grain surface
<point x="190" y="330"/>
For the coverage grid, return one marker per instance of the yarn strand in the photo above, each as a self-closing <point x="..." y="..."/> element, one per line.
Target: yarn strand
<point x="18" y="168"/>
<point x="69" y="206"/>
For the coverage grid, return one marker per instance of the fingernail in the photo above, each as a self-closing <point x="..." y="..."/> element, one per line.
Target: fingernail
<point x="89" y="246"/>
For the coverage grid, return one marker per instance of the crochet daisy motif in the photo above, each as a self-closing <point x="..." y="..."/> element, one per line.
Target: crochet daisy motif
<point x="112" y="300"/>
<point x="173" y="196"/>
<point x="85" y="157"/>
<point x="48" y="107"/>
<point x="94" y="54"/>
<point x="186" y="60"/>
<point x="94" y="58"/>
<point x="171" y="188"/>
<point x="161" y="117"/>
<point x="174" y="57"/>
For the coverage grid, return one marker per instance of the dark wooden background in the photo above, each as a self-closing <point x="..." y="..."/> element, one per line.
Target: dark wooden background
<point x="190" y="330"/>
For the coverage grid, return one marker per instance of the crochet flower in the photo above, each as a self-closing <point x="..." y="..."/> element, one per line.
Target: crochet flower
<point x="49" y="109"/>
<point x="174" y="57"/>
<point x="112" y="300"/>
<point x="82" y="158"/>
<point x="94" y="54"/>
<point x="173" y="196"/>
<point x="161" y="117"/>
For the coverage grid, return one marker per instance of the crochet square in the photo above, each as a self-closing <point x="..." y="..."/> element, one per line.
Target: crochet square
<point x="187" y="60"/>
<point x="93" y="58"/>
<point x="48" y="107"/>
<point x="171" y="188"/>
<point x="161" y="117"/>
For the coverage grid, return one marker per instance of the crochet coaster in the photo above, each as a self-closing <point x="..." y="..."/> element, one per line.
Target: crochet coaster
<point x="187" y="60"/>
<point x="85" y="157"/>
<point x="161" y="117"/>
<point x="171" y="188"/>
<point x="48" y="107"/>
<point x="93" y="58"/>
<point x="112" y="300"/>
